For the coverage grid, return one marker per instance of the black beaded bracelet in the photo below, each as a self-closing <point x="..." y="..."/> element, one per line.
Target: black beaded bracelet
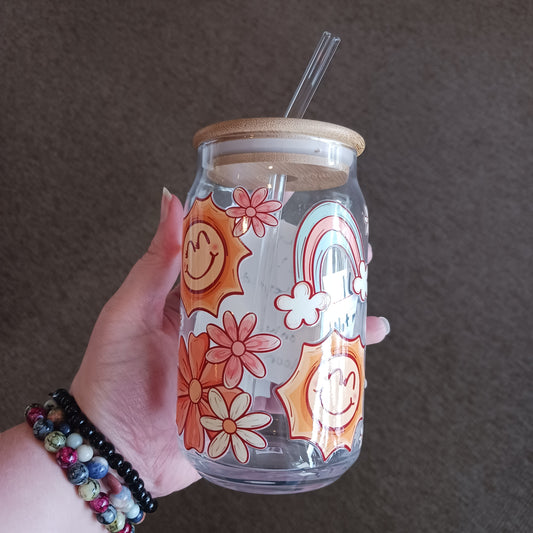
<point x="77" y="420"/>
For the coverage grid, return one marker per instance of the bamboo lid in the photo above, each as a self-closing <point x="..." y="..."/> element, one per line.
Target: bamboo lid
<point x="303" y="172"/>
<point x="279" y="127"/>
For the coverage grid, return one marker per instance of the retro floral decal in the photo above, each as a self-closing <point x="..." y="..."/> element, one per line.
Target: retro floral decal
<point x="236" y="347"/>
<point x="360" y="283"/>
<point x="196" y="376"/>
<point x="210" y="259"/>
<point x="328" y="225"/>
<point x="253" y="212"/>
<point x="211" y="366"/>
<point x="234" y="425"/>
<point x="302" y="306"/>
<point x="323" y="398"/>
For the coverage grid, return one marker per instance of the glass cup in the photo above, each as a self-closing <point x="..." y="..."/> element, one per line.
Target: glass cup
<point x="273" y="293"/>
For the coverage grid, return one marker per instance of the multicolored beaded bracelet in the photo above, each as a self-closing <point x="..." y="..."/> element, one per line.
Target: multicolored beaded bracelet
<point x="123" y="507"/>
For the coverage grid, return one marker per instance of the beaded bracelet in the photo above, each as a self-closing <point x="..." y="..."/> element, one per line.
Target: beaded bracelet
<point x="77" y="420"/>
<point x="54" y="423"/>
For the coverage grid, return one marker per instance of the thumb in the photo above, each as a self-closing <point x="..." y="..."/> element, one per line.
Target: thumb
<point x="154" y="275"/>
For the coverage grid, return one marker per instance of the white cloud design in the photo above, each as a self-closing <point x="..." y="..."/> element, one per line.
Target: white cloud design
<point x="302" y="305"/>
<point x="360" y="283"/>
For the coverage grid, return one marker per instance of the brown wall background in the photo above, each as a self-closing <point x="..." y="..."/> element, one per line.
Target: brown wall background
<point x="98" y="105"/>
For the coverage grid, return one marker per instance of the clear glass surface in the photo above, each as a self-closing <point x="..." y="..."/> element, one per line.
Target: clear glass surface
<point x="290" y="290"/>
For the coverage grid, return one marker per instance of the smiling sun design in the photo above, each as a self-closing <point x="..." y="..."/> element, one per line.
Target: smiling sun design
<point x="323" y="398"/>
<point x="210" y="259"/>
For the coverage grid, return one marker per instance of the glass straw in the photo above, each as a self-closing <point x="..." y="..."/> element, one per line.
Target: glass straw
<point x="313" y="75"/>
<point x="305" y="91"/>
<point x="316" y="68"/>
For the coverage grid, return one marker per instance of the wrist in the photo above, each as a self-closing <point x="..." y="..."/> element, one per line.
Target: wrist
<point x="29" y="471"/>
<point x="114" y="420"/>
<point x="86" y="456"/>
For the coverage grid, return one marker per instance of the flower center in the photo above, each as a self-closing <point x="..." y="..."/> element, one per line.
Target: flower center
<point x="250" y="212"/>
<point x="229" y="426"/>
<point x="195" y="391"/>
<point x="238" y="348"/>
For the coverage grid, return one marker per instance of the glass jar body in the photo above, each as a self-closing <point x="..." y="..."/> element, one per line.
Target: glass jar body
<point x="274" y="287"/>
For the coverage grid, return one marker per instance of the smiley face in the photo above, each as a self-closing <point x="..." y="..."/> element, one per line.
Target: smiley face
<point x="323" y="399"/>
<point x="333" y="392"/>
<point x="204" y="255"/>
<point x="210" y="259"/>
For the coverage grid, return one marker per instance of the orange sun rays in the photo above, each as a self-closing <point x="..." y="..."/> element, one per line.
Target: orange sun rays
<point x="211" y="258"/>
<point x="323" y="398"/>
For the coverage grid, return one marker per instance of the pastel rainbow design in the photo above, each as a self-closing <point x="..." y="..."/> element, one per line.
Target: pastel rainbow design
<point x="327" y="225"/>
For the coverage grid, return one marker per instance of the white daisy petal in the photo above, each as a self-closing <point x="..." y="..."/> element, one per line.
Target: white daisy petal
<point x="210" y="423"/>
<point x="218" y="445"/>
<point x="239" y="449"/>
<point x="239" y="405"/>
<point x="253" y="421"/>
<point x="252" y="438"/>
<point x="218" y="404"/>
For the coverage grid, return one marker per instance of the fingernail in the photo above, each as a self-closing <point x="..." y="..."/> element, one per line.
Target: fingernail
<point x="165" y="204"/>
<point x="386" y="323"/>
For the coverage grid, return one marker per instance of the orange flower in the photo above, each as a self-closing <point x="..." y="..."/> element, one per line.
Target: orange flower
<point x="195" y="377"/>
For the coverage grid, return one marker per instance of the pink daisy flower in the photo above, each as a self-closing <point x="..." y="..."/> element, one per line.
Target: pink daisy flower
<point x="252" y="211"/>
<point x="236" y="347"/>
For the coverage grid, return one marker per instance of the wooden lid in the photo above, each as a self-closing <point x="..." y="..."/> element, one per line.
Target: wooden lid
<point x="303" y="172"/>
<point x="279" y="127"/>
